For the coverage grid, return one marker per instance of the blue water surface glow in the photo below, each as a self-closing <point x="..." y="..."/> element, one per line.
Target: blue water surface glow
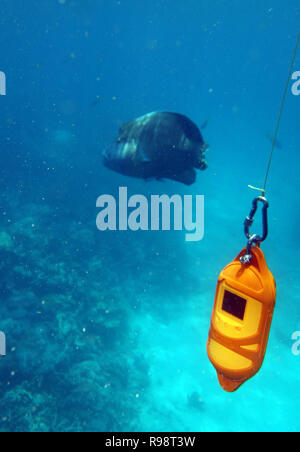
<point x="107" y="331"/>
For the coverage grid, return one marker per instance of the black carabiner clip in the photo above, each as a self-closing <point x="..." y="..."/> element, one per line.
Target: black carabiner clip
<point x="249" y="220"/>
<point x="255" y="238"/>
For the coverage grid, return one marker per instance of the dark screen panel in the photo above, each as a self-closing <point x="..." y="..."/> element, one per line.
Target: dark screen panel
<point x="234" y="305"/>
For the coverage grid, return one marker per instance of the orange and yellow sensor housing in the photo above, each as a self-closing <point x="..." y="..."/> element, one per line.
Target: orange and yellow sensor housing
<point x="241" y="320"/>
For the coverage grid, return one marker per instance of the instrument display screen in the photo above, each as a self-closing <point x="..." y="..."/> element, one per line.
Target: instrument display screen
<point x="234" y="305"/>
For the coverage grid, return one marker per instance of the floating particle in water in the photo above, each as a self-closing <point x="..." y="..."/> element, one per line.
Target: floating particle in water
<point x="195" y="401"/>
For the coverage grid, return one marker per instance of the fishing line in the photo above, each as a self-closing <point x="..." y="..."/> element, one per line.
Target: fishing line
<point x="279" y="118"/>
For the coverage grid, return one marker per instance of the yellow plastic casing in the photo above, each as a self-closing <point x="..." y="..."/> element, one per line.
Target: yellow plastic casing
<point x="236" y="345"/>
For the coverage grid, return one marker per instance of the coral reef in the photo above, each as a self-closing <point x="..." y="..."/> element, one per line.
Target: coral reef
<point x="65" y="316"/>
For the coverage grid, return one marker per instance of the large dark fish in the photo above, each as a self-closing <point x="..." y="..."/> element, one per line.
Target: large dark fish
<point x="158" y="145"/>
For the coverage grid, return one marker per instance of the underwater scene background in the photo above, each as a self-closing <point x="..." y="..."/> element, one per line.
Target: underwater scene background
<point x="107" y="331"/>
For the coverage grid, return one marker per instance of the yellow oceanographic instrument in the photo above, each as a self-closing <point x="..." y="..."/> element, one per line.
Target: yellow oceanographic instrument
<point x="243" y="310"/>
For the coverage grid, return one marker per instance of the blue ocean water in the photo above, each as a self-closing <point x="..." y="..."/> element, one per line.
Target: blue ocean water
<point x="107" y="331"/>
